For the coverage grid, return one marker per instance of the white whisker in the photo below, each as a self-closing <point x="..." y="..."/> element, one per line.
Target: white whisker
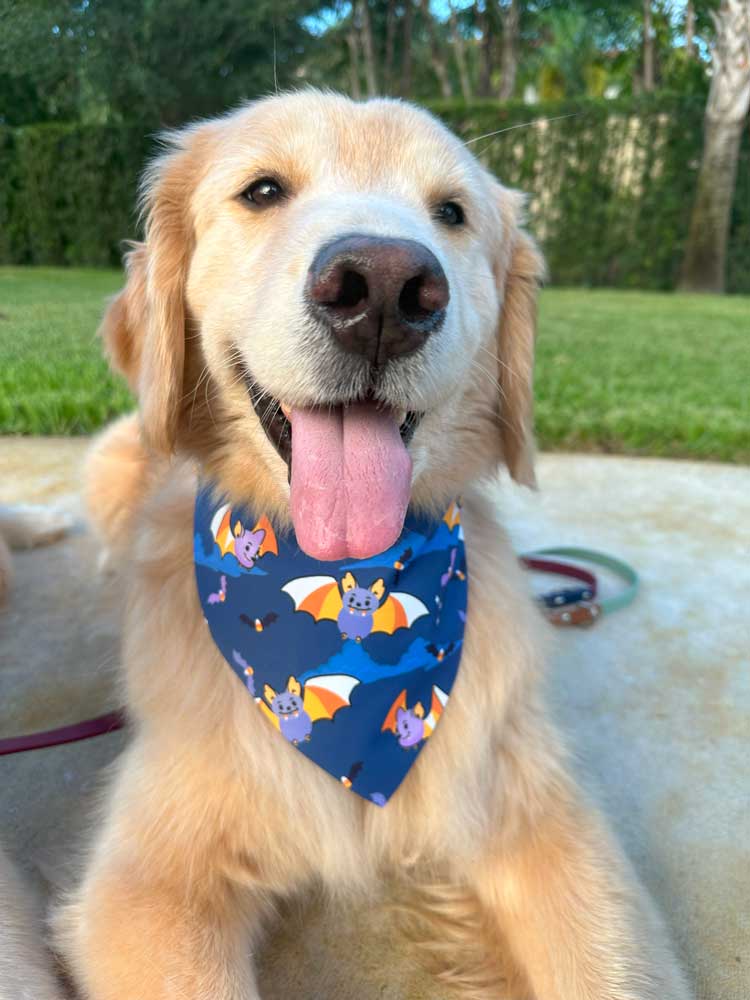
<point x="509" y="128"/>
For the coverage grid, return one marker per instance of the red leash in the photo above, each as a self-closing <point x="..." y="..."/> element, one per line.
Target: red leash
<point x="64" y="734"/>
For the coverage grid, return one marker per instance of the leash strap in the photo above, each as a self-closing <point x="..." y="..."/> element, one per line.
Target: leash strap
<point x="587" y="612"/>
<point x="64" y="734"/>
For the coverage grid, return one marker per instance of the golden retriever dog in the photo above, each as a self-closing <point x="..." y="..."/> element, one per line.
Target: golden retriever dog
<point x="307" y="257"/>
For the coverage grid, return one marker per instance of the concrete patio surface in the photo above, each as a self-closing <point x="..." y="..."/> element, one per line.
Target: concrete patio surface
<point x="655" y="700"/>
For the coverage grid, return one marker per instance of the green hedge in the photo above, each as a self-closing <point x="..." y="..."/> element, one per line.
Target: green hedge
<point x="67" y="192"/>
<point x="610" y="188"/>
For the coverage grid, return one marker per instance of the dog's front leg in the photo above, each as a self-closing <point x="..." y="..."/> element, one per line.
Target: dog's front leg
<point x="124" y="939"/>
<point x="577" y="921"/>
<point x="170" y="905"/>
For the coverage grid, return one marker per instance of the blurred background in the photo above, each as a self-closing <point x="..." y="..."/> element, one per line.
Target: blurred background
<point x="625" y="122"/>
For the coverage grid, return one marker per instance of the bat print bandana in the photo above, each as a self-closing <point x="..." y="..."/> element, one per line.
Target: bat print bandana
<point x="351" y="661"/>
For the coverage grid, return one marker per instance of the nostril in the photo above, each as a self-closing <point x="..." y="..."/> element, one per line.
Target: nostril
<point x="353" y="290"/>
<point x="408" y="301"/>
<point x="421" y="296"/>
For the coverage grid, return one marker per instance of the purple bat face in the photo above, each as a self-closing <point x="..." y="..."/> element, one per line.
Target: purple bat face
<point x="286" y="704"/>
<point x="409" y="727"/>
<point x="247" y="545"/>
<point x="361" y="599"/>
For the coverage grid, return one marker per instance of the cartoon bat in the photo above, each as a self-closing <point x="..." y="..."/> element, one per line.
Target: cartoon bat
<point x="247" y="545"/>
<point x="221" y="594"/>
<point x="259" y="624"/>
<point x="440" y="652"/>
<point x="348" y="780"/>
<point x="294" y="713"/>
<point x="409" y="724"/>
<point x="358" y="611"/>
<point x="246" y="669"/>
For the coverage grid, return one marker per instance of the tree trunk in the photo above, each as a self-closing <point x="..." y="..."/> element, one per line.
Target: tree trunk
<point x="406" y="62"/>
<point x="460" y="52"/>
<point x="390" y="45"/>
<point x="437" y="57"/>
<point x="353" y="43"/>
<point x="365" y="25"/>
<point x="509" y="58"/>
<point x="649" y="55"/>
<point x="485" y="48"/>
<point x="690" y="30"/>
<point x="704" y="263"/>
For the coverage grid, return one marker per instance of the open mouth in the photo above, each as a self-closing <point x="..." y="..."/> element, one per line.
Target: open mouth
<point x="278" y="428"/>
<point x="349" y="471"/>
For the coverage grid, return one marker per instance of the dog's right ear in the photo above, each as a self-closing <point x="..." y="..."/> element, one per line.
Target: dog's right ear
<point x="144" y="327"/>
<point x="124" y="324"/>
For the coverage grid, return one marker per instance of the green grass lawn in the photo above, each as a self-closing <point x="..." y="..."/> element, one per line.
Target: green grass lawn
<point x="629" y="372"/>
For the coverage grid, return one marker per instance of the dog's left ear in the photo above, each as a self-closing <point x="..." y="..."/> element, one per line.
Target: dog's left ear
<point x="520" y="273"/>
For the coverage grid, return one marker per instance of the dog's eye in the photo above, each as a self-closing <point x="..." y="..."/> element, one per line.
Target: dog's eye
<point x="265" y="191"/>
<point x="450" y="214"/>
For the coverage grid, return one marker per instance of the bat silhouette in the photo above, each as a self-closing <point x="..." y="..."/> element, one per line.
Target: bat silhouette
<point x="259" y="624"/>
<point x="358" y="611"/>
<point x="294" y="712"/>
<point x="440" y="652"/>
<point x="348" y="780"/>
<point x="401" y="563"/>
<point x="247" y="545"/>
<point x="221" y="594"/>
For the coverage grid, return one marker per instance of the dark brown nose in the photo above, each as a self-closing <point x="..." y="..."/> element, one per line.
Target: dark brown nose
<point x="380" y="297"/>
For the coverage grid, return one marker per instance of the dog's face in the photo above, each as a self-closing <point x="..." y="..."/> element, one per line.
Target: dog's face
<point x="330" y="303"/>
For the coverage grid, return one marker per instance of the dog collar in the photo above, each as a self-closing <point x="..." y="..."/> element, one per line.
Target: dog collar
<point x="351" y="661"/>
<point x="586" y="612"/>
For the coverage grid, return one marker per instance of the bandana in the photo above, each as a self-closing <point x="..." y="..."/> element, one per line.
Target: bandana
<point x="351" y="661"/>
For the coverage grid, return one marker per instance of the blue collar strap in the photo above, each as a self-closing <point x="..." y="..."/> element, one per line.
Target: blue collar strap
<point x="351" y="661"/>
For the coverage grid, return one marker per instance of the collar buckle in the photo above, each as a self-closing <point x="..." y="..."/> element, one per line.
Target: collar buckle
<point x="583" y="614"/>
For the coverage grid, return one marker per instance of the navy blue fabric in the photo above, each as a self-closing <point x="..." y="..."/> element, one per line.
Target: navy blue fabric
<point x="362" y="707"/>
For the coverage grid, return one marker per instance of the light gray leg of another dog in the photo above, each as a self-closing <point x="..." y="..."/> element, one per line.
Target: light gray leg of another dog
<point x="28" y="526"/>
<point x="25" y="967"/>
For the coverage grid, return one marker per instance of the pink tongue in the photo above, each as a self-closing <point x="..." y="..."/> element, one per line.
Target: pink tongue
<point x="351" y="481"/>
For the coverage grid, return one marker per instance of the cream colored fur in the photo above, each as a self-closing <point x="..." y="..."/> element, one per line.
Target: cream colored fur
<point x="211" y="816"/>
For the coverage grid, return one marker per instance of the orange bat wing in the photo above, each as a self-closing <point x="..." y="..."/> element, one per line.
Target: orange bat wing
<point x="397" y="611"/>
<point x="439" y="701"/>
<point x="325" y="695"/>
<point x="390" y="719"/>
<point x="319" y="596"/>
<point x="452" y="516"/>
<point x="221" y="529"/>
<point x="270" y="543"/>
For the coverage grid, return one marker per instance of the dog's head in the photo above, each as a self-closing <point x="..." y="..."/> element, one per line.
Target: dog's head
<point x="333" y="310"/>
